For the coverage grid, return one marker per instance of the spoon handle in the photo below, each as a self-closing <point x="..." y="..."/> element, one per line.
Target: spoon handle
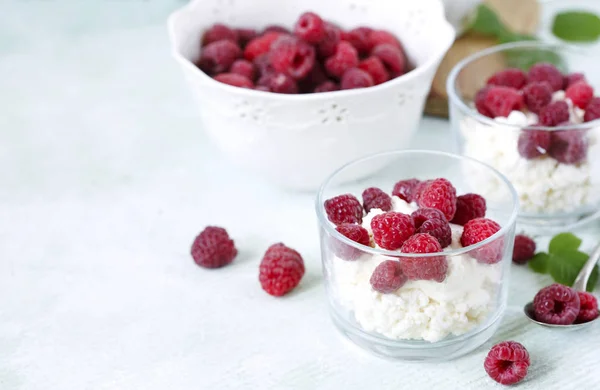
<point x="584" y="275"/>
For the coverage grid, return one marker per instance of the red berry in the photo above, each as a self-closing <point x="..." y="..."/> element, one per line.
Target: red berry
<point x="356" y="78"/>
<point x="218" y="32"/>
<point x="419" y="188"/>
<point x="569" y="146"/>
<point x="245" y="35"/>
<point x="344" y="58"/>
<point x="537" y="95"/>
<point x="479" y="100"/>
<point x="477" y="230"/>
<point x="580" y="93"/>
<point x="421" y="215"/>
<point x="213" y="248"/>
<point x="262" y="88"/>
<point x="314" y="78"/>
<point x="501" y="101"/>
<point x="546" y="72"/>
<point x="374" y="67"/>
<point x="359" y="38"/>
<point x="262" y="63"/>
<point x="572" y="79"/>
<point x="354" y="232"/>
<point x="424" y="268"/>
<point x="344" y="209"/>
<point x="511" y="77"/>
<point x="234" y="79"/>
<point x="439" y="194"/>
<point x="280" y="270"/>
<point x="388" y="277"/>
<point x="588" y="310"/>
<point x="556" y="304"/>
<point x="592" y="111"/>
<point x="277" y="29"/>
<point x="507" y="362"/>
<point x="468" y="207"/>
<point x="217" y="57"/>
<point x="391" y="229"/>
<point x="292" y="56"/>
<point x="524" y="249"/>
<point x="377" y="37"/>
<point x="374" y="198"/>
<point x="245" y="68"/>
<point x="404" y="189"/>
<point x="310" y="28"/>
<point x="278" y="83"/>
<point x="554" y="113"/>
<point x="333" y="35"/>
<point x="392" y="57"/>
<point x="534" y="143"/>
<point x="327" y="86"/>
<point x="439" y="228"/>
<point x="260" y="45"/>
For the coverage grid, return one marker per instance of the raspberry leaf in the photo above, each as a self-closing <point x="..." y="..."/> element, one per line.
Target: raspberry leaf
<point x="565" y="266"/>
<point x="564" y="242"/>
<point x="539" y="263"/>
<point x="576" y="26"/>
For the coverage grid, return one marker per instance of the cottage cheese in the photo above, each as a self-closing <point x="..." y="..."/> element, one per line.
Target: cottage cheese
<point x="422" y="310"/>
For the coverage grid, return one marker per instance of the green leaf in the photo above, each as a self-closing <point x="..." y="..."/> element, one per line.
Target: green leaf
<point x="591" y="284"/>
<point x="539" y="263"/>
<point x="576" y="26"/>
<point x="525" y="58"/>
<point x="564" y="242"/>
<point x="485" y="21"/>
<point x="565" y="267"/>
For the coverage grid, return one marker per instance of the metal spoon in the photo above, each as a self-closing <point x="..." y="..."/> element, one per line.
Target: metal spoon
<point x="579" y="285"/>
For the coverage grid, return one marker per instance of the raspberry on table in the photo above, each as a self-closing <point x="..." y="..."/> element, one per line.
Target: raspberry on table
<point x="245" y="35"/>
<point x="468" y="207"/>
<point x="344" y="209"/>
<point x="244" y="68"/>
<point x="356" y="78"/>
<point x="278" y="83"/>
<point x="392" y="58"/>
<point x="260" y="45"/>
<point x="569" y="146"/>
<point x="572" y="79"/>
<point x="234" y="79"/>
<point x="439" y="194"/>
<point x="327" y="86"/>
<point x="391" y="229"/>
<point x="524" y="249"/>
<point x="510" y="77"/>
<point x="333" y="35"/>
<point x="554" y="113"/>
<point x="217" y="57"/>
<point x="477" y="230"/>
<point x="213" y="248"/>
<point x="310" y="27"/>
<point x="439" y="228"/>
<point x="375" y="198"/>
<point x="534" y="143"/>
<point x="280" y="270"/>
<point x="501" y="101"/>
<point x="359" y="38"/>
<point x="374" y="67"/>
<point x="292" y="56"/>
<point x="544" y="71"/>
<point x="580" y="93"/>
<point x="218" y="32"/>
<point x="507" y="362"/>
<point x="355" y="233"/>
<point x="277" y="29"/>
<point x="377" y="37"/>
<point x="556" y="304"/>
<point x="344" y="58"/>
<point x="388" y="277"/>
<point x="404" y="189"/>
<point x="537" y="95"/>
<point x="424" y="268"/>
<point x="592" y="110"/>
<point x="479" y="101"/>
<point x="423" y="214"/>
<point x="588" y="308"/>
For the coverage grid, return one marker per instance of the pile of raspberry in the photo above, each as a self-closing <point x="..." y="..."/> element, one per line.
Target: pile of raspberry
<point x="561" y="305"/>
<point x="426" y="231"/>
<point x="317" y="56"/>
<point x="514" y="90"/>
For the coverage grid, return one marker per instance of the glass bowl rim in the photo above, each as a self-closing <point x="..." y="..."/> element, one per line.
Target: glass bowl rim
<point x="330" y="228"/>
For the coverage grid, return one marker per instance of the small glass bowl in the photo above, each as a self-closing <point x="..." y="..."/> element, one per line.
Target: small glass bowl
<point x="422" y="320"/>
<point x="557" y="190"/>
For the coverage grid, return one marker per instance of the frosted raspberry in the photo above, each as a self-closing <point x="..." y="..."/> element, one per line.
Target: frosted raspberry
<point x="468" y="207"/>
<point x="507" y="362"/>
<point x="217" y="57"/>
<point x="524" y="249"/>
<point x="419" y="188"/>
<point x="404" y="189"/>
<point x="534" y="143"/>
<point x="354" y="232"/>
<point x="292" y="56"/>
<point x="359" y="38"/>
<point x="421" y="215"/>
<point x="388" y="277"/>
<point x="333" y="35"/>
<point x="391" y="229"/>
<point x="537" y="95"/>
<point x="218" y="32"/>
<point x="310" y="28"/>
<point x="280" y="270"/>
<point x="479" y="101"/>
<point x="356" y="78"/>
<point x="245" y="68"/>
<point x="588" y="309"/>
<point x="546" y="72"/>
<point x="375" y="198"/>
<point x="569" y="146"/>
<point x="374" y="67"/>
<point x="592" y="111"/>
<point x="392" y="57"/>
<point x="234" y="79"/>
<point x="424" y="268"/>
<point x="511" y="77"/>
<point x="275" y="28"/>
<point x="477" y="230"/>
<point x="327" y="86"/>
<point x="278" y="83"/>
<point x="439" y="228"/>
<point x="213" y="248"/>
<point x="556" y="304"/>
<point x="572" y="79"/>
<point x="245" y="35"/>
<point x="439" y="194"/>
<point x="501" y="101"/>
<point x="263" y="66"/>
<point x="345" y="57"/>
<point x="580" y="93"/>
<point x="554" y="113"/>
<point x="344" y="209"/>
<point x="261" y="45"/>
<point x="377" y="37"/>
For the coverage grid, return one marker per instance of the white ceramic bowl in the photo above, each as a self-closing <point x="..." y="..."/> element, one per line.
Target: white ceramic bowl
<point x="295" y="140"/>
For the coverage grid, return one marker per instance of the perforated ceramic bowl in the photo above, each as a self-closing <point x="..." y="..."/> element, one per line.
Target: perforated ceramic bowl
<point x="295" y="140"/>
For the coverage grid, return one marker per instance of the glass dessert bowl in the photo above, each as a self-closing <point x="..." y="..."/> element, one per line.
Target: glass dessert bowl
<point x="400" y="282"/>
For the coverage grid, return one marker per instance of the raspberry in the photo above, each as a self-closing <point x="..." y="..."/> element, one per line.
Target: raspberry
<point x="374" y="67"/>
<point x="424" y="268"/>
<point x="262" y="63"/>
<point x="439" y="194"/>
<point x="344" y="209"/>
<point x="213" y="248"/>
<point x="333" y="35"/>
<point x="569" y="146"/>
<point x="280" y="270"/>
<point x="374" y="198"/>
<point x="404" y="189"/>
<point x="327" y="86"/>
<point x="217" y="57"/>
<point x="278" y="83"/>
<point x="556" y="304"/>
<point x="359" y="38"/>
<point x="511" y="77"/>
<point x="419" y="188"/>
<point x="277" y="29"/>
<point x="354" y="232"/>
<point x="356" y="78"/>
<point x="392" y="57"/>
<point x="580" y="93"/>
<point x="554" y="113"/>
<point x="377" y="37"/>
<point x="507" y="362"/>
<point x="477" y="230"/>
<point x="291" y="56"/>
<point x="479" y="100"/>
<point x="534" y="143"/>
<point x="572" y="79"/>
<point x="245" y="35"/>
<point x="439" y="228"/>
<point x="421" y="215"/>
<point x="344" y="58"/>
<point x="245" y="68"/>
<point x="546" y="72"/>
<point x="588" y="309"/>
<point x="260" y="45"/>
<point x="468" y="207"/>
<point x="592" y="111"/>
<point x="524" y="249"/>
<point x="391" y="229"/>
<point x="388" y="277"/>
<point x="537" y="95"/>
<point x="310" y="27"/>
<point x="501" y="101"/>
<point x="218" y="32"/>
<point x="314" y="78"/>
<point x="262" y="88"/>
<point x="234" y="79"/>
